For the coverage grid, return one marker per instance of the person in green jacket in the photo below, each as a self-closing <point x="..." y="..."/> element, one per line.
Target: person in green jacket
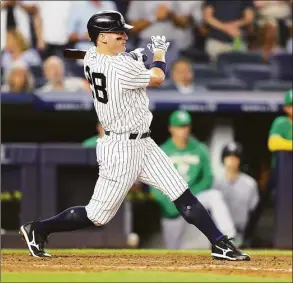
<point x="280" y="135"/>
<point x="191" y="159"/>
<point x="92" y="141"/>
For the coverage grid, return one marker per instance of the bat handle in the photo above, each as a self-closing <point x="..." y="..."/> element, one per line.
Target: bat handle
<point x="144" y="58"/>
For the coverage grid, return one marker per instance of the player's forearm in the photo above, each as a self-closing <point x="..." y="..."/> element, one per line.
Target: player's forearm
<point x="159" y="55"/>
<point x="276" y="143"/>
<point x="157" y="77"/>
<point x="157" y="74"/>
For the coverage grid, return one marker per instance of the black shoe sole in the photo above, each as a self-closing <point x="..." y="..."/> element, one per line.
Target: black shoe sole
<point x="229" y="258"/>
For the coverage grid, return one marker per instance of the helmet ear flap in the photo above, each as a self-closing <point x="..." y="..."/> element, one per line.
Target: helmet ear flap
<point x="93" y="33"/>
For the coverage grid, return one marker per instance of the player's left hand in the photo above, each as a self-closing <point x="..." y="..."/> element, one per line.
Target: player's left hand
<point x="138" y="54"/>
<point x="158" y="42"/>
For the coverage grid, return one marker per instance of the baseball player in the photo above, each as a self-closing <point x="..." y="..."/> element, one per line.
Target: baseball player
<point x="191" y="159"/>
<point x="280" y="139"/>
<point x="238" y="188"/>
<point x="126" y="153"/>
<point x="280" y="136"/>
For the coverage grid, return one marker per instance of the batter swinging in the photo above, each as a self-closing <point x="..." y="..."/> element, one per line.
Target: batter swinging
<point x="126" y="153"/>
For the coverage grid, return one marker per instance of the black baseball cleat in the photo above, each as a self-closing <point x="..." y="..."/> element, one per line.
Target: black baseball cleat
<point x="224" y="249"/>
<point x="35" y="241"/>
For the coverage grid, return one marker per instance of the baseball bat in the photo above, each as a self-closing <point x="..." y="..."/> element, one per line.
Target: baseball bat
<point x="79" y="54"/>
<point x="73" y="53"/>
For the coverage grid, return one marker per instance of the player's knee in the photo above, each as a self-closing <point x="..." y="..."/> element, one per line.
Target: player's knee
<point x="96" y="217"/>
<point x="98" y="221"/>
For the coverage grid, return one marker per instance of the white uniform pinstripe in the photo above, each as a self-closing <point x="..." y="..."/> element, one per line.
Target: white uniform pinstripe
<point x="123" y="161"/>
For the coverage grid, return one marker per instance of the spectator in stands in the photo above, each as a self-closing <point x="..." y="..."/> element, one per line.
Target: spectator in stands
<point x="273" y="20"/>
<point x="191" y="159"/>
<point x="226" y="21"/>
<point x="54" y="71"/>
<point x="92" y="141"/>
<point x="54" y="16"/>
<point x="24" y="16"/>
<point x="239" y="189"/>
<point x="183" y="77"/>
<point x="151" y="18"/>
<point x="18" y="79"/>
<point x="185" y="15"/>
<point x="18" y="49"/>
<point x="80" y="12"/>
<point x="190" y="38"/>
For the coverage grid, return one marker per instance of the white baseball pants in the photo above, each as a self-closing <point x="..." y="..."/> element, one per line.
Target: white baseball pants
<point x="121" y="163"/>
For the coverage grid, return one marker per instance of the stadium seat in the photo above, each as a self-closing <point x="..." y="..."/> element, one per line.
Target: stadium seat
<point x="204" y="73"/>
<point x="39" y="82"/>
<point x="229" y="59"/>
<point x="273" y="85"/>
<point x="251" y="73"/>
<point x="38" y="74"/>
<point x="227" y="85"/>
<point x="77" y="71"/>
<point x="282" y="66"/>
<point x="37" y="71"/>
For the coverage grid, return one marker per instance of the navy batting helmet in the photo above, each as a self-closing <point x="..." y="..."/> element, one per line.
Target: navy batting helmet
<point x="106" y="21"/>
<point x="232" y="148"/>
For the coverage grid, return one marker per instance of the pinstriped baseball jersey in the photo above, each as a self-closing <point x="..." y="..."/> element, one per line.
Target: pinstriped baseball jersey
<point x="118" y="84"/>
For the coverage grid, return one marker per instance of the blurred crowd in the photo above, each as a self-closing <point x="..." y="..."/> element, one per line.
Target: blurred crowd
<point x="34" y="34"/>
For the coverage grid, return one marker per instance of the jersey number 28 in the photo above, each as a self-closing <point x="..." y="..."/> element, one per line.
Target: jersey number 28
<point x="99" y="92"/>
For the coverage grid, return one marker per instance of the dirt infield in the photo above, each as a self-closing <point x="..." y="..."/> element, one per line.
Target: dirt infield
<point x="260" y="266"/>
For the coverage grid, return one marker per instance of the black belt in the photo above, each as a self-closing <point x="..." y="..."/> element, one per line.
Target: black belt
<point x="134" y="136"/>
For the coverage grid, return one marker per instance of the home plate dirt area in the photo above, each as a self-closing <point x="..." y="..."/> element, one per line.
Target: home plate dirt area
<point x="260" y="266"/>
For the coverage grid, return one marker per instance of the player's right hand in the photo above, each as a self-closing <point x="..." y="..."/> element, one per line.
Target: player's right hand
<point x="137" y="54"/>
<point x="158" y="42"/>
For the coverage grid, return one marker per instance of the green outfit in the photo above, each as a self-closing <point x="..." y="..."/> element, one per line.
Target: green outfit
<point x="282" y="126"/>
<point x="90" y="142"/>
<point x="193" y="164"/>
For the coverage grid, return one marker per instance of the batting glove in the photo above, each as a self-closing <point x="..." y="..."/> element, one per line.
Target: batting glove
<point x="137" y="54"/>
<point x="158" y="42"/>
